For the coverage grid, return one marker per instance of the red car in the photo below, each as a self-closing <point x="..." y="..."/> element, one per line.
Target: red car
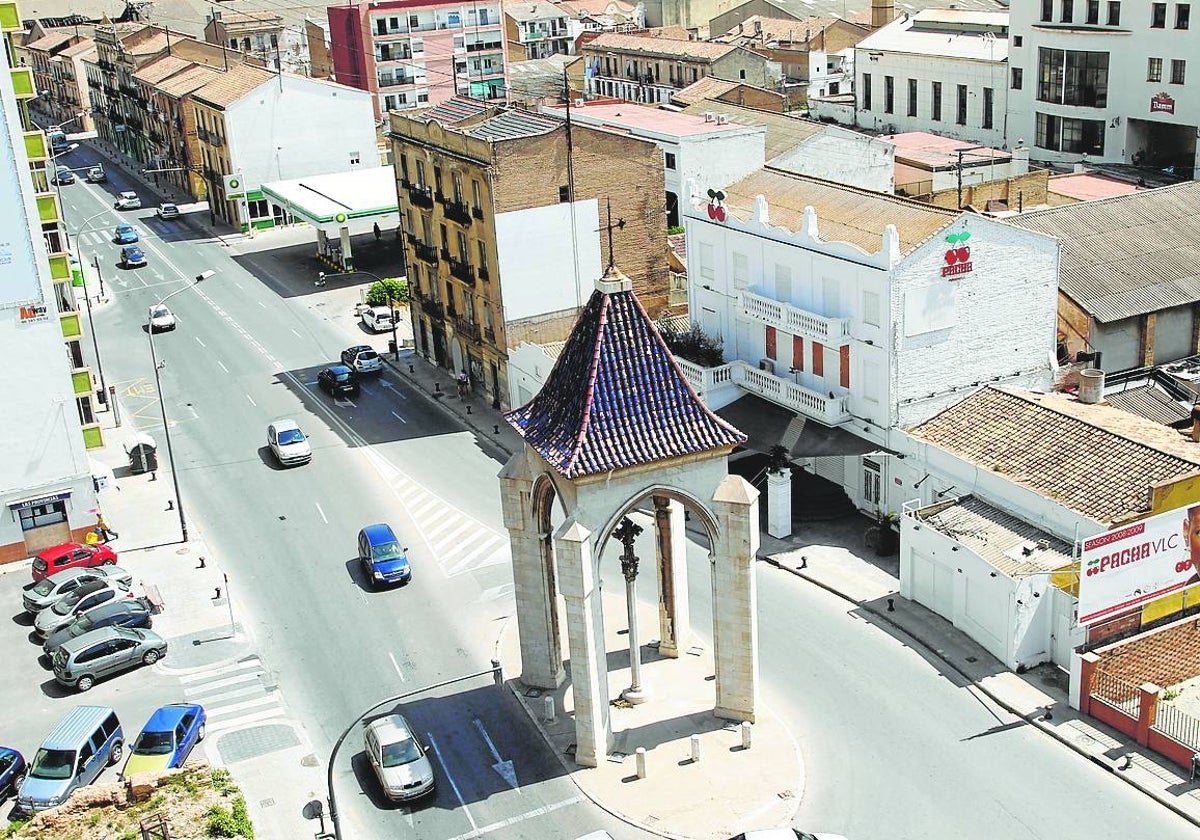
<point x="70" y="555"/>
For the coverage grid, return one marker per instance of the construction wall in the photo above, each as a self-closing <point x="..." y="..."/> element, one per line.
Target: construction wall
<point x="1029" y="190"/>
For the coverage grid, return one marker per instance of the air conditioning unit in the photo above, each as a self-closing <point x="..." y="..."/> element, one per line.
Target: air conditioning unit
<point x="580" y="102"/>
<point x="709" y="116"/>
<point x="722" y="119"/>
<point x="767" y="364"/>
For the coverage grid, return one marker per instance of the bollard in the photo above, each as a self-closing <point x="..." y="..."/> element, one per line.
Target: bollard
<point x="170" y="504"/>
<point x="548" y="710"/>
<point x="746" y="727"/>
<point x="695" y="748"/>
<point x="412" y="369"/>
<point x="640" y="757"/>
<point x="891" y="604"/>
<point x="201" y="566"/>
<point x="468" y="409"/>
<point x="496" y="428"/>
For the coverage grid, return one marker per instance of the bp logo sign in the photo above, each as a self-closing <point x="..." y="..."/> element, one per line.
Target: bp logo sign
<point x="339" y="218"/>
<point x="958" y="255"/>
<point x="233" y="186"/>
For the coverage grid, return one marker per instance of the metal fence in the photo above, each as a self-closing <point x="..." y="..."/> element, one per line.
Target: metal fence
<point x="1178" y="725"/>
<point x="1116" y="692"/>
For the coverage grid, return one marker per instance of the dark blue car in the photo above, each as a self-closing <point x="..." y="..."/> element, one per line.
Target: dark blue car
<point x="132" y="256"/>
<point x="125" y="234"/>
<point x="383" y="559"/>
<point x="167" y="739"/>
<point x="12" y="772"/>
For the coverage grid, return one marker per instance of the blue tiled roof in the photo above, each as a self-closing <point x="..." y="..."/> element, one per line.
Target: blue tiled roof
<point x="616" y="398"/>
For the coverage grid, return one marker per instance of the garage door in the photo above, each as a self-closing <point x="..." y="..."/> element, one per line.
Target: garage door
<point x="933" y="585"/>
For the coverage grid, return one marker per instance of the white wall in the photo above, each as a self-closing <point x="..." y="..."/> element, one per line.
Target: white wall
<point x="539" y="250"/>
<point x="291" y="127"/>
<point x="528" y="367"/>
<point x="721" y="158"/>
<point x="845" y="157"/>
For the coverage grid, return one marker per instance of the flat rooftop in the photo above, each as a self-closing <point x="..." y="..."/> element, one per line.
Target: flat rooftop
<point x="933" y="150"/>
<point x="363" y="192"/>
<point x="1088" y="186"/>
<point x="638" y="119"/>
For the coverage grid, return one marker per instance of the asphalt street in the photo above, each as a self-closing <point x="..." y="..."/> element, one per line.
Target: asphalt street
<point x="894" y="748"/>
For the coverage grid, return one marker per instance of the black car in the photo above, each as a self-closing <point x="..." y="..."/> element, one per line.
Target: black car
<point x="126" y="612"/>
<point x="339" y="381"/>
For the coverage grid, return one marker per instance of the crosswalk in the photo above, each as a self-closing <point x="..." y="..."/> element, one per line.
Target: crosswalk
<point x="461" y="544"/>
<point x="235" y="695"/>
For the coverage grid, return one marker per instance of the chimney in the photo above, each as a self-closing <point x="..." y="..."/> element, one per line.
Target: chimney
<point x="1020" y="158"/>
<point x="882" y="13"/>
<point x="757" y="27"/>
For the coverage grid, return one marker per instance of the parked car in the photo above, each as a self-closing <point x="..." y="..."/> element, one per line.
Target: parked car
<point x="362" y="358"/>
<point x="288" y="443"/>
<point x="338" y="381"/>
<point x="161" y="318"/>
<point x="383" y="559"/>
<point x="86" y="597"/>
<point x="167" y="210"/>
<point x="70" y="555"/>
<point x="86" y="740"/>
<point x="64" y="176"/>
<point x="398" y="759"/>
<point x="132" y="256"/>
<point x="123" y="612"/>
<point x="104" y="652"/>
<point x="125" y="234"/>
<point x="128" y="201"/>
<point x="12" y="772"/>
<point x="167" y="739"/>
<point x="48" y="591"/>
<point x="377" y="318"/>
<point x="96" y="174"/>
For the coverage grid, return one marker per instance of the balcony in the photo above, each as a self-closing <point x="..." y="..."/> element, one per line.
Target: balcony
<point x="71" y="325"/>
<point x="106" y="66"/>
<point x="477" y="212"/>
<point x="22" y="82"/>
<point x="832" y="332"/>
<point x="830" y="409"/>
<point x="48" y="207"/>
<point x="426" y="253"/>
<point x="489" y="335"/>
<point x="483" y="274"/>
<point x="431" y="307"/>
<point x="456" y="211"/>
<point x="462" y="270"/>
<point x="470" y="329"/>
<point x="81" y="381"/>
<point x="395" y="81"/>
<point x="419" y="196"/>
<point x="35" y="146"/>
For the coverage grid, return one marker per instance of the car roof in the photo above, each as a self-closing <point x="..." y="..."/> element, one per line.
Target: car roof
<point x="166" y="718"/>
<point x="92" y="586"/>
<point x="128" y="194"/>
<point x="358" y="348"/>
<point x="283" y="425"/>
<point x="70" y="574"/>
<point x="391" y="727"/>
<point x="116" y="607"/>
<point x="79" y="722"/>
<point x="86" y="640"/>
<point x="124" y="225"/>
<point x="61" y="548"/>
<point x="341" y="369"/>
<point x="379" y="533"/>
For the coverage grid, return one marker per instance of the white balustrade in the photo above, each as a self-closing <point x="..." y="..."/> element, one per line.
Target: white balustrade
<point x="830" y="409"/>
<point x="832" y="332"/>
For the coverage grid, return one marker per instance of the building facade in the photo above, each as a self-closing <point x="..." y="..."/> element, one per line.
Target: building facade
<point x="258" y="34"/>
<point x="1113" y="81"/>
<point x="46" y="486"/>
<point x="411" y="54"/>
<point x="537" y="30"/>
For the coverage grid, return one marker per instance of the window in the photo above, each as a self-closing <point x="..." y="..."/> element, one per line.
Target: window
<point x="355" y="158"/>
<point x="482" y="255"/>
<point x="935" y="102"/>
<point x="670" y="160"/>
<point x="1017" y="77"/>
<point x="912" y="97"/>
<point x="564" y="194"/>
<point x="740" y="271"/>
<point x="705" y="255"/>
<point x="413" y="22"/>
<point x="1093" y="12"/>
<point x="421" y="174"/>
<point x="1047" y="11"/>
<point x="1048" y="132"/>
<point x="1068" y="11"/>
<point x="258" y="209"/>
<point x="889" y="94"/>
<point x="989" y="101"/>
<point x="962" y="105"/>
<point x="456" y="184"/>
<point x="464" y="254"/>
<point x="47" y="514"/>
<point x="86" y="415"/>
<point x="1183" y="15"/>
<point x="871" y="308"/>
<point x="476" y="196"/>
<point x="866" y="92"/>
<point x="1158" y="15"/>
<point x="1154" y="70"/>
<point x="1070" y="135"/>
<point x="1073" y="77"/>
<point x="437" y="180"/>
<point x="1177" y="68"/>
<point x="1018" y="40"/>
<point x="1114" y="14"/>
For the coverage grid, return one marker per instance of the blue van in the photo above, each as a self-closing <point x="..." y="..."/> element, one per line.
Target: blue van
<point x="86" y="741"/>
<point x="383" y="559"/>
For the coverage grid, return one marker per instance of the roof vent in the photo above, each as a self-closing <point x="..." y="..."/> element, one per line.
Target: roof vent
<point x="1091" y="385"/>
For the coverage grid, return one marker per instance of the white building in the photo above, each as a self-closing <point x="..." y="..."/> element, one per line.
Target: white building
<point x="47" y="495"/>
<point x="1106" y="80"/>
<point x="701" y="147"/>
<point x="851" y="315"/>
<point x="940" y="70"/>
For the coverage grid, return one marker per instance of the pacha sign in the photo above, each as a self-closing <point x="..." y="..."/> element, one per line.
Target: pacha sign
<point x="958" y="256"/>
<point x="1134" y="565"/>
<point x="1162" y="103"/>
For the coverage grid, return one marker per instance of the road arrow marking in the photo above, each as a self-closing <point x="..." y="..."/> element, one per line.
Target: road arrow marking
<point x="504" y="768"/>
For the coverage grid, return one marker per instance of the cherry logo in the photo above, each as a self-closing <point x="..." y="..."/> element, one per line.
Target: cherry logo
<point x="961" y="253"/>
<point x="716" y="205"/>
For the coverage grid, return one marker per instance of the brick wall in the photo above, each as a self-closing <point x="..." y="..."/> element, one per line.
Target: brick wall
<point x="752" y="97"/>
<point x="1165" y="656"/>
<point x="1027" y="190"/>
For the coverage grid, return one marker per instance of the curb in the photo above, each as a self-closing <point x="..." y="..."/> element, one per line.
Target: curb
<point x="1029" y="718"/>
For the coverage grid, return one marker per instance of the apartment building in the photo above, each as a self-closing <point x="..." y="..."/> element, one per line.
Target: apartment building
<point x="47" y="414"/>
<point x="503" y="234"/>
<point x="643" y="68"/>
<point x="411" y="54"/>
<point x="537" y="30"/>
<point x="57" y="61"/>
<point x="170" y="124"/>
<point x="258" y="34"/>
<point x="1115" y="81"/>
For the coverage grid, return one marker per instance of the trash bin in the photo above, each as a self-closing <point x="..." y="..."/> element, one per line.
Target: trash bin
<point x="392" y="347"/>
<point x="143" y="454"/>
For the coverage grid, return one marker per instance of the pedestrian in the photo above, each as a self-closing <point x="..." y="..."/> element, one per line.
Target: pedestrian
<point x="378" y="232"/>
<point x="464" y="385"/>
<point x="102" y="527"/>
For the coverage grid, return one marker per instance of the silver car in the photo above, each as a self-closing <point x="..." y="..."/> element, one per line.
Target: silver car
<point x="86" y="597"/>
<point x="128" y="201"/>
<point x="104" y="652"/>
<point x="288" y="443"/>
<point x="49" y="591"/>
<point x="399" y="760"/>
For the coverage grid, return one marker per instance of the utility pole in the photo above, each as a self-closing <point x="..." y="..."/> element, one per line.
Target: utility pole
<point x="960" y="153"/>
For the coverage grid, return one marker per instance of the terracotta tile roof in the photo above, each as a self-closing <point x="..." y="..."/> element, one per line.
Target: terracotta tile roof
<point x="710" y="87"/>
<point x="84" y="47"/>
<point x="161" y="68"/>
<point x="775" y="29"/>
<point x="844" y="214"/>
<point x="1127" y="255"/>
<point x="641" y="45"/>
<point x="452" y="111"/>
<point x="193" y="78"/>
<point x="616" y="398"/>
<point x="677" y="242"/>
<point x="227" y="88"/>
<point x="1098" y="473"/>
<point x="50" y="40"/>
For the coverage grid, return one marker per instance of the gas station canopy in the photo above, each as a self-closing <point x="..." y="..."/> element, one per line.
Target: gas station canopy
<point x="354" y="200"/>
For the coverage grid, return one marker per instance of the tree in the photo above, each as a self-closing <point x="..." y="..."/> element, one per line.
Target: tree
<point x="693" y="345"/>
<point x="397" y="287"/>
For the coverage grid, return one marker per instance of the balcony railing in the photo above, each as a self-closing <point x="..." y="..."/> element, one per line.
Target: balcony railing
<point x="426" y="253"/>
<point x="396" y="81"/>
<point x="462" y="270"/>
<point x="830" y="409"/>
<point x="432" y="307"/>
<point x="489" y="335"/>
<point x="456" y="211"/>
<point x="418" y="195"/>
<point x="467" y="328"/>
<point x="477" y="212"/>
<point x="832" y="332"/>
<point x="483" y="273"/>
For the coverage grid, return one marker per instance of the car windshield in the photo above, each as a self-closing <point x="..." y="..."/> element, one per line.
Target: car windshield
<point x="52" y="764"/>
<point x="401" y="752"/>
<point x="169" y="207"/>
<point x="45" y="586"/>
<point x="82" y="625"/>
<point x="344" y="376"/>
<point x="159" y="312"/>
<point x="291" y="436"/>
<point x="387" y="551"/>
<point x="367" y="355"/>
<point x="154" y="743"/>
<point x="67" y="604"/>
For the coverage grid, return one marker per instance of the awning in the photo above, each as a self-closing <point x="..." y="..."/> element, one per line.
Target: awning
<point x="38" y="501"/>
<point x="766" y="425"/>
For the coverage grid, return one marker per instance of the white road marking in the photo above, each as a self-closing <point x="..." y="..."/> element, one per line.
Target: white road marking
<point x="260" y="303"/>
<point x="396" y="665"/>
<point x="224" y="669"/>
<point x="222" y="366"/>
<point x="398" y="417"/>
<point x="344" y="402"/>
<point x="296" y="334"/>
<point x="453" y="785"/>
<point x="528" y="815"/>
<point x="318" y="504"/>
<point x="239" y="285"/>
<point x="198" y="341"/>
<point x="252" y="402"/>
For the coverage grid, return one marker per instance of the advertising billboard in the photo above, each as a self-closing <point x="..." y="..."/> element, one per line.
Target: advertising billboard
<point x="1136" y="564"/>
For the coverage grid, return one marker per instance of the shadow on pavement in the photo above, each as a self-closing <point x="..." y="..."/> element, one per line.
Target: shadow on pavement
<point x="292" y="270"/>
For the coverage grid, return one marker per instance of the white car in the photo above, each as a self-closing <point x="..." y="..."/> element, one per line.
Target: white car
<point x="161" y="318"/>
<point x="128" y="201"/>
<point x="398" y="759"/>
<point x="166" y="211"/>
<point x="377" y="318"/>
<point x="288" y="443"/>
<point x="362" y="358"/>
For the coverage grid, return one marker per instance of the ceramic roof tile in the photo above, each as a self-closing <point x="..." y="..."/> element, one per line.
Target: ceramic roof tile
<point x="616" y="397"/>
<point x="697" y="50"/>
<point x="227" y="88"/>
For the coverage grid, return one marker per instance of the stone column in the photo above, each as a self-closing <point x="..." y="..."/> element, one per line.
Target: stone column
<point x="674" y="615"/>
<point x="533" y="580"/>
<point x="585" y="634"/>
<point x="779" y="503"/>
<point x="735" y="599"/>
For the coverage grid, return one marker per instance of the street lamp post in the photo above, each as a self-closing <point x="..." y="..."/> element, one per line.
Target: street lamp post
<point x="87" y="299"/>
<point x="162" y="406"/>
<point x="395" y="341"/>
